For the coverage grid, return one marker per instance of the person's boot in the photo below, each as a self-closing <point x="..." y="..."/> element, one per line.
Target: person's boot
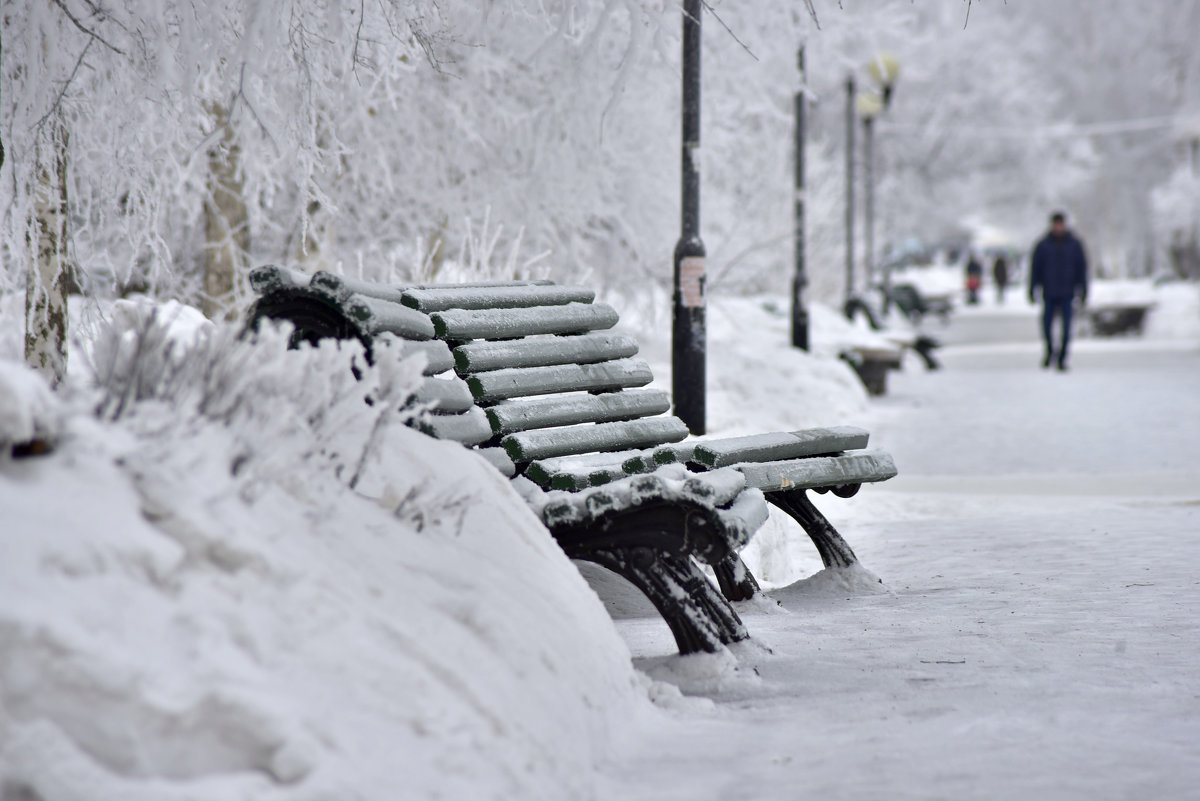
<point x="1062" y="363"/>
<point x="1049" y="358"/>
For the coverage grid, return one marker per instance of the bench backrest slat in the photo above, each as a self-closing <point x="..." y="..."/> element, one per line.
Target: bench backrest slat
<point x="514" y="297"/>
<point x="470" y="428"/>
<point x="392" y="318"/>
<point x="438" y="358"/>
<point x="482" y="355"/>
<point x="573" y="318"/>
<point x="508" y="417"/>
<point x="522" y="382"/>
<point x="546" y="443"/>
<point x="445" y="395"/>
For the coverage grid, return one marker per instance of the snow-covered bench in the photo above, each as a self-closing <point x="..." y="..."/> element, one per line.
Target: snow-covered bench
<point x="872" y="362"/>
<point x="529" y="375"/>
<point x="1114" y="318"/>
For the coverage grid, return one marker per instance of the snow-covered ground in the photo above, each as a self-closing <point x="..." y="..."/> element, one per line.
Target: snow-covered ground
<point x="195" y="604"/>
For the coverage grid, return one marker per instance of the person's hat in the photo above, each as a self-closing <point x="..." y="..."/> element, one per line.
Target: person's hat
<point x="1058" y="217"/>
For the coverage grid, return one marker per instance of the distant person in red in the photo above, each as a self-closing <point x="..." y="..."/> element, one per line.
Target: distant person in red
<point x="1058" y="271"/>
<point x="974" y="279"/>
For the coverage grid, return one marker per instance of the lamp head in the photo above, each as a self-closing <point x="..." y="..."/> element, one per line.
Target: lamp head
<point x="884" y="69"/>
<point x="868" y="105"/>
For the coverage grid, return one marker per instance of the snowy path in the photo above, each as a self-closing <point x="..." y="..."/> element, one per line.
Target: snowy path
<point x="1041" y="627"/>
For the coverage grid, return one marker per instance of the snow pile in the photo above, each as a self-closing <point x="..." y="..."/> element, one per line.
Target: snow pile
<point x="195" y="603"/>
<point x="29" y="410"/>
<point x="757" y="382"/>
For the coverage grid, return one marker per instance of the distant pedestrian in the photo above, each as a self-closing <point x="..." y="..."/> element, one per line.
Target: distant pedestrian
<point x="1000" y="276"/>
<point x="1058" y="270"/>
<point x="974" y="279"/>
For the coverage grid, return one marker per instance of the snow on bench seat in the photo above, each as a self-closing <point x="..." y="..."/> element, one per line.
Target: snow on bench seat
<point x="781" y="445"/>
<point x="819" y="471"/>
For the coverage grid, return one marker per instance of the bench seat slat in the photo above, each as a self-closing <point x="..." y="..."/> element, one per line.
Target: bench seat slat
<point x="521" y="382"/>
<point x="781" y="445"/>
<point x="819" y="471"/>
<point x="507" y="297"/>
<point x="510" y="416"/>
<point x="573" y="318"/>
<point x="574" y="473"/>
<point x="482" y="356"/>
<point x="544" y="444"/>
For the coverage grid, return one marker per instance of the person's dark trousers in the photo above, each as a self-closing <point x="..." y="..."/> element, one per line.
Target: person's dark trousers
<point x="1056" y="307"/>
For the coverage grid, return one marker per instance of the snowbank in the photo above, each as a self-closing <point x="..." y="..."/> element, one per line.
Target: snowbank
<point x="29" y="410"/>
<point x="193" y="603"/>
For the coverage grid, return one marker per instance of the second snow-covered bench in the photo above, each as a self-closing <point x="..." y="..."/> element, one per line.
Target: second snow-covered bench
<point x="530" y="376"/>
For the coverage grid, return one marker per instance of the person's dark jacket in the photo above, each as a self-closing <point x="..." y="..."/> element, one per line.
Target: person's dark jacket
<point x="1058" y="268"/>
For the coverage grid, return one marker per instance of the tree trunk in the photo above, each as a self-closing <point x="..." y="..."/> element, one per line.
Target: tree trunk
<point x="226" y="223"/>
<point x="46" y="280"/>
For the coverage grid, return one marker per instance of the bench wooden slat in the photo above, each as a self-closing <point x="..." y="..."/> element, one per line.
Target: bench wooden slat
<point x="395" y="319"/>
<point x="438" y="358"/>
<point x="498" y="459"/>
<point x="574" y="473"/>
<point x="508" y="417"/>
<point x="819" y="471"/>
<point x="446" y="395"/>
<point x="272" y="278"/>
<point x="521" y="382"/>
<point x="544" y="444"/>
<point x="368" y="289"/>
<point x="503" y="297"/>
<point x="470" y="428"/>
<point x="482" y="356"/>
<point x="781" y="445"/>
<point x="573" y="318"/>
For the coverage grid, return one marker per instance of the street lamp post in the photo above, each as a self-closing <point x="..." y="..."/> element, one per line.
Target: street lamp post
<point x="884" y="69"/>
<point x="849" y="189"/>
<point x="869" y="105"/>
<point x="799" y="278"/>
<point x="687" y="320"/>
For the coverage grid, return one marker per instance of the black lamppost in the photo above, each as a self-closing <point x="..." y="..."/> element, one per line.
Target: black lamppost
<point x="687" y="319"/>
<point x="849" y="189"/>
<point x="799" y="278"/>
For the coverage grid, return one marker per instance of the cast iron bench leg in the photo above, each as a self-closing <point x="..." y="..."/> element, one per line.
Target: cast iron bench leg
<point x="835" y="551"/>
<point x="736" y="580"/>
<point x="698" y="615"/>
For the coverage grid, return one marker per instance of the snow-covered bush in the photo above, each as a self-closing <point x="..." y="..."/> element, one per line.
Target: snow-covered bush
<point x="280" y="407"/>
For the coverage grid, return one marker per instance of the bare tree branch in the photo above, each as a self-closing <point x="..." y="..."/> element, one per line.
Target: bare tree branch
<point x="708" y="7"/>
<point x="66" y="85"/>
<point x="85" y="29"/>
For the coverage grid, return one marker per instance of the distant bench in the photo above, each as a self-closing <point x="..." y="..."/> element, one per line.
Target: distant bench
<point x="873" y="363"/>
<point x="528" y="375"/>
<point x="1112" y="319"/>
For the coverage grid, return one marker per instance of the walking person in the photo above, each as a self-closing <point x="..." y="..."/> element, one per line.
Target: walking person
<point x="1058" y="270"/>
<point x="1000" y="277"/>
<point x="974" y="279"/>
